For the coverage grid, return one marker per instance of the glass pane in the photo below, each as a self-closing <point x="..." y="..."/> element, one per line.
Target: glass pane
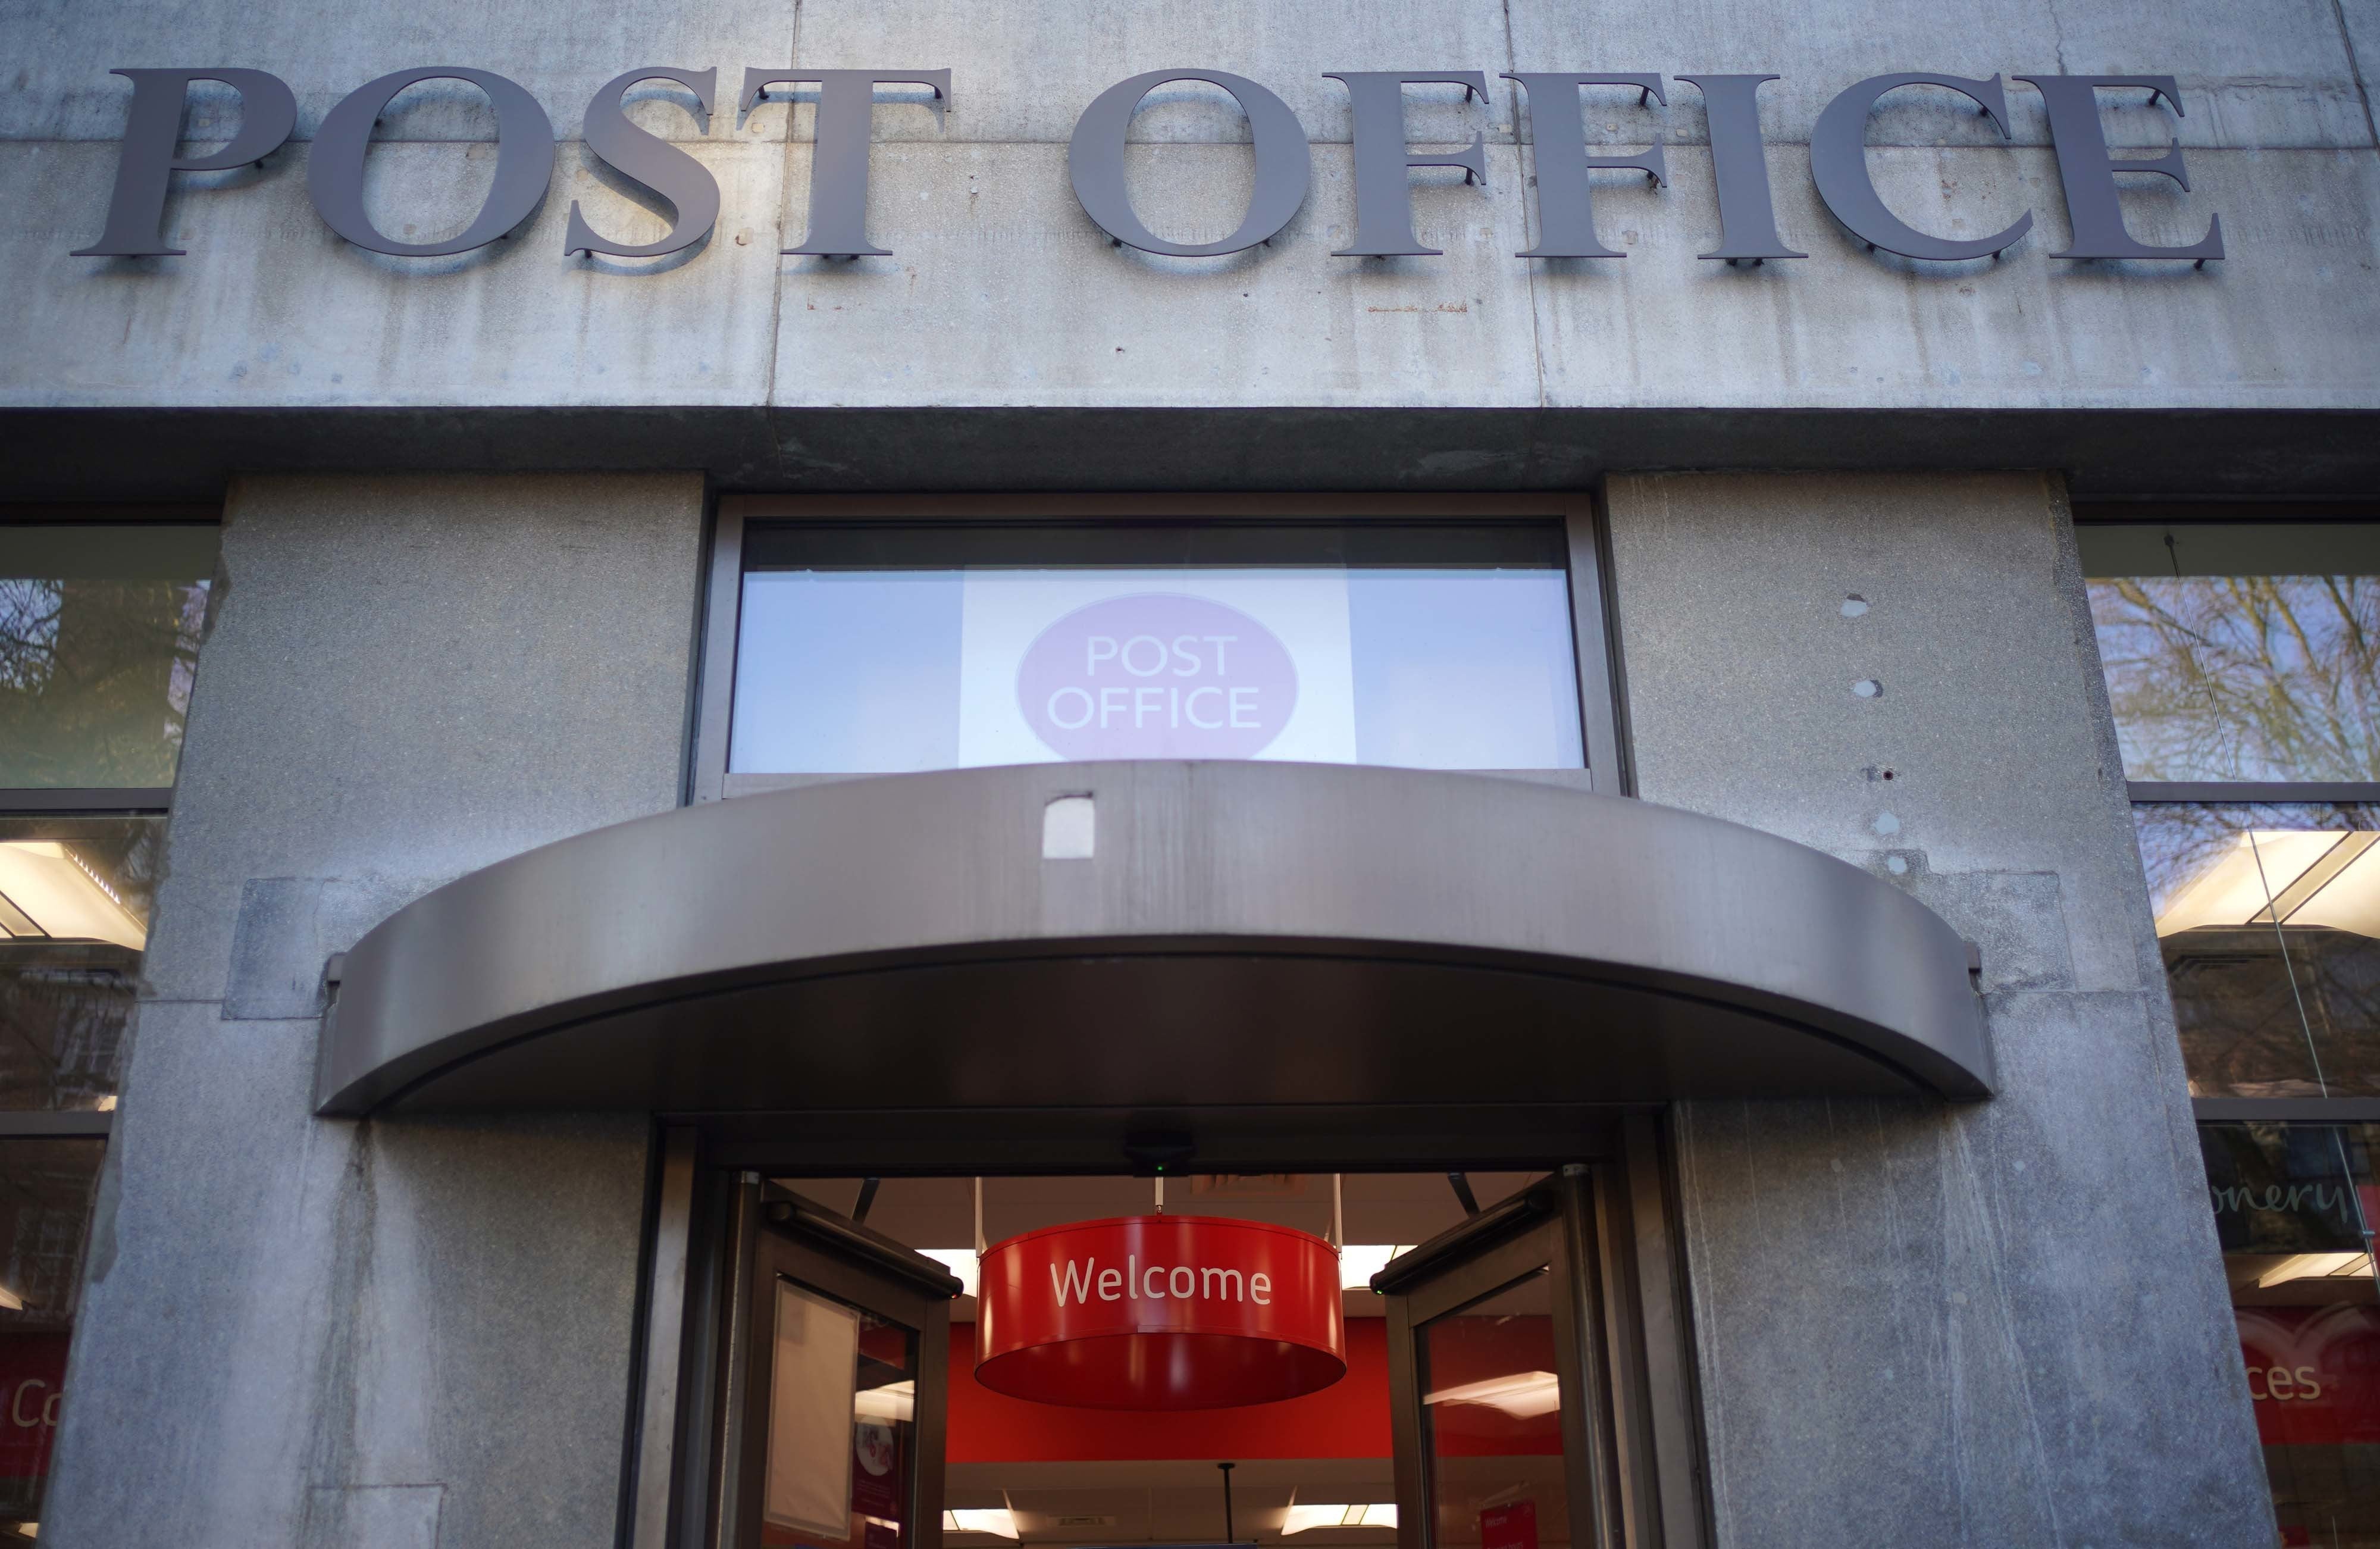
<point x="99" y="636"/>
<point x="2240" y="650"/>
<point x="931" y="648"/>
<point x="1491" y="1408"/>
<point x="2294" y="1206"/>
<point x="842" y="1406"/>
<point x="2268" y="917"/>
<point x="45" y="1195"/>
<point x="74" y="914"/>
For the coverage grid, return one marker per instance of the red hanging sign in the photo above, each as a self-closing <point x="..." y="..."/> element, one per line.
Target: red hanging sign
<point x="1161" y="1313"/>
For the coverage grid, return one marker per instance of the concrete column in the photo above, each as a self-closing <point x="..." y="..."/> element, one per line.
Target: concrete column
<point x="395" y="1334"/>
<point x="1993" y="1324"/>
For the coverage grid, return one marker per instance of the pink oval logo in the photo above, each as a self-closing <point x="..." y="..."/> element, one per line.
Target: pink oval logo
<point x="1159" y="675"/>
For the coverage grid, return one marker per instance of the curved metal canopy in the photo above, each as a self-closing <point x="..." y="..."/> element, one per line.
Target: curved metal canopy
<point x="1242" y="933"/>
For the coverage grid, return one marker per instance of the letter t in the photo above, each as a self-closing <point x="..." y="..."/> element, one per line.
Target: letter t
<point x="839" y="158"/>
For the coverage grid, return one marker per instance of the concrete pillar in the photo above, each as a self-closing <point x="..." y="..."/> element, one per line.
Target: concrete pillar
<point x="396" y="1333"/>
<point x="1993" y="1324"/>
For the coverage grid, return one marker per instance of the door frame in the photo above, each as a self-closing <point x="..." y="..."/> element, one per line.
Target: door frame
<point x="1617" y="1221"/>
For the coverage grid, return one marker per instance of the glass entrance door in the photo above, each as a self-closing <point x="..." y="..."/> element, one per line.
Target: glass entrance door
<point x="1521" y="1380"/>
<point x="846" y="1351"/>
<point x="1522" y="1400"/>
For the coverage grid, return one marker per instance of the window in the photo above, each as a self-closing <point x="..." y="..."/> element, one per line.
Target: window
<point x="99" y="636"/>
<point x="2243" y="669"/>
<point x="883" y="637"/>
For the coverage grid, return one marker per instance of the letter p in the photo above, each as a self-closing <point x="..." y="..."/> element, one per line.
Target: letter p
<point x="136" y="215"/>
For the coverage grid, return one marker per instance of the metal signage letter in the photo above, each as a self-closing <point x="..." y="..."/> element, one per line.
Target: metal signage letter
<point x="846" y="113"/>
<point x="1839" y="165"/>
<point x="2087" y="169"/>
<point x="146" y="162"/>
<point x="1094" y="163"/>
<point x="669" y="173"/>
<point x="334" y="176"/>
<point x="1565" y="191"/>
<point x="1747" y="208"/>
<point x="1383" y="191"/>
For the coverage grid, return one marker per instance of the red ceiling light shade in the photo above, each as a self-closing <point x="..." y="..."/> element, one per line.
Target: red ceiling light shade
<point x="1161" y="1313"/>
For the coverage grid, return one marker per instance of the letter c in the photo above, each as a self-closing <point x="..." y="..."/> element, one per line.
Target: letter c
<point x="335" y="175"/>
<point x="1149" y="1278"/>
<point x="1839" y="165"/>
<point x="1094" y="163"/>
<point x="16" y="1404"/>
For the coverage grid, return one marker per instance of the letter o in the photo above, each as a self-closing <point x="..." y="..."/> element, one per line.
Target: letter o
<point x="1094" y="163"/>
<point x="1083" y="694"/>
<point x="1125" y="655"/>
<point x="1174" y="1282"/>
<point x="50" y="1409"/>
<point x="334" y="172"/>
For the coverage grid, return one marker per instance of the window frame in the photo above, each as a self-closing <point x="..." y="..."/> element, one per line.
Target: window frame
<point x="2150" y="793"/>
<point x="103" y="801"/>
<point x="1594" y="660"/>
<point x="45" y="802"/>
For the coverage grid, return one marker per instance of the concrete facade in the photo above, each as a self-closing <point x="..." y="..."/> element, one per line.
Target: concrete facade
<point x="1486" y="369"/>
<point x="392" y="1332"/>
<point x="430" y="649"/>
<point x="2003" y="1324"/>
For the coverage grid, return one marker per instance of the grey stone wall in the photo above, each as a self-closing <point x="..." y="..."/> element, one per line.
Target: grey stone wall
<point x="1000" y="296"/>
<point x="1989" y="1326"/>
<point x="395" y="1334"/>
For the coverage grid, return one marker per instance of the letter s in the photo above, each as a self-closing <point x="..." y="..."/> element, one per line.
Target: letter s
<point x="2306" y="1381"/>
<point x="683" y="183"/>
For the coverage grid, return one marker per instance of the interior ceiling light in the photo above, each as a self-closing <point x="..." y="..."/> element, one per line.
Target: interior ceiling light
<point x="999" y="1521"/>
<point x="886" y="1405"/>
<point x="1377" y="1513"/>
<point x="1524" y="1395"/>
<point x="47" y="890"/>
<point x="2317" y="1266"/>
<point x="2301" y="876"/>
<point x="11" y="1300"/>
<point x="960" y="1262"/>
<point x="1359" y="1261"/>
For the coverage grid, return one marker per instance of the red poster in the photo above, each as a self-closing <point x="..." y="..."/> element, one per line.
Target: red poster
<point x="1509" y="1527"/>
<point x="876" y="1471"/>
<point x="32" y="1377"/>
<point x="2314" y="1372"/>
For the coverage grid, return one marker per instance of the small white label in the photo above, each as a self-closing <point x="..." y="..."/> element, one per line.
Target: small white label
<point x="1067" y="825"/>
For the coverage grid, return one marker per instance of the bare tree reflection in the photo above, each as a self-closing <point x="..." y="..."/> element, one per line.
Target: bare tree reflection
<point x="95" y="678"/>
<point x="2243" y="677"/>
